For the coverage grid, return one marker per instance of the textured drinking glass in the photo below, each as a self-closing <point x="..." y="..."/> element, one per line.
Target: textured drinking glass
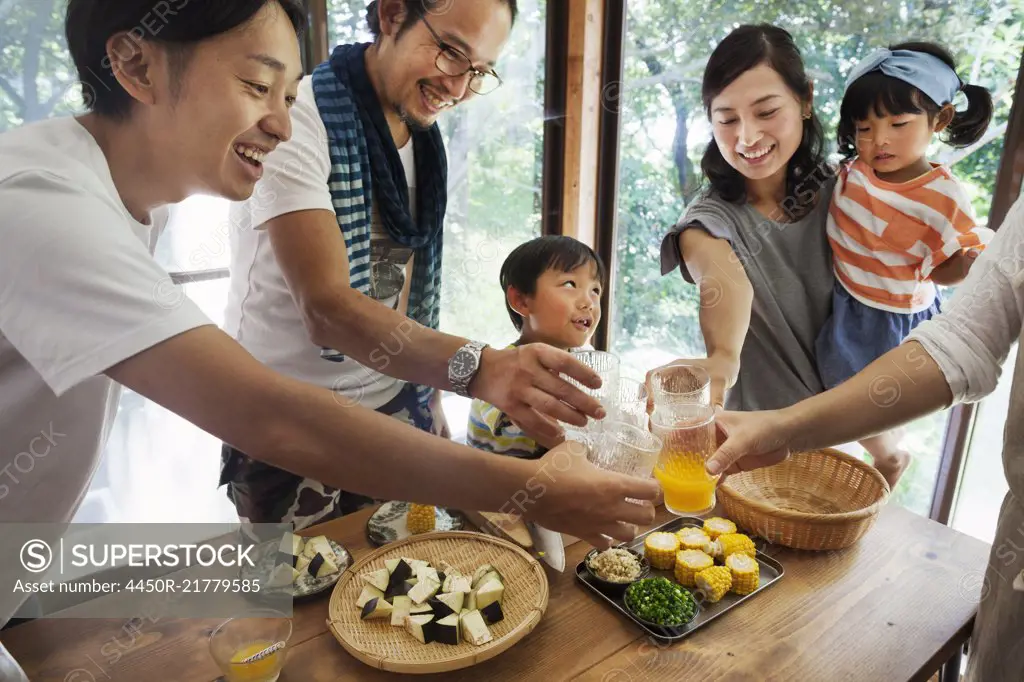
<point x="688" y="440"/>
<point x="252" y="648"/>
<point x="606" y="365"/>
<point x="684" y="419"/>
<point x="679" y="387"/>
<point x="633" y="402"/>
<point x="626" y="449"/>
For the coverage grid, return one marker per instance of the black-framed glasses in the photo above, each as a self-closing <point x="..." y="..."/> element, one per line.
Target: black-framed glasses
<point x="451" y="61"/>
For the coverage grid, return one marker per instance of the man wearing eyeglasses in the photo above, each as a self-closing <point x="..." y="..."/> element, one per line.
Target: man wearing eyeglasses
<point x="336" y="260"/>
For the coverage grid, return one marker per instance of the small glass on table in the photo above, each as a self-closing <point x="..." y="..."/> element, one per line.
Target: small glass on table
<point x="252" y="648"/>
<point x="684" y="420"/>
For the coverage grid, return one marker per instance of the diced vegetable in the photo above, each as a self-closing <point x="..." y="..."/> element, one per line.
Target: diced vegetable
<point x="481" y="572"/>
<point x="690" y="562"/>
<point x="660" y="550"/>
<point x="369" y="592"/>
<point x="424" y="590"/>
<point x="419" y="626"/>
<point x="733" y="543"/>
<point x="716" y="526"/>
<point x="660" y="601"/>
<point x="448" y="630"/>
<point x="693" y="538"/>
<point x="714" y="582"/>
<point x="745" y="573"/>
<point x="492" y="613"/>
<point x="489" y="593"/>
<point x="321" y="566"/>
<point x="320" y="545"/>
<point x="474" y="629"/>
<point x="420" y="518"/>
<point x="400" y="607"/>
<point x="378" y="607"/>
<point x="378" y="579"/>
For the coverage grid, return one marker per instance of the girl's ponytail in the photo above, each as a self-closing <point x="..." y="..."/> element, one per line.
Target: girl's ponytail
<point x="970" y="125"/>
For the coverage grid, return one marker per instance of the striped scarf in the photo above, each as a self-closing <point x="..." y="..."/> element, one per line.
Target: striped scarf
<point x="366" y="167"/>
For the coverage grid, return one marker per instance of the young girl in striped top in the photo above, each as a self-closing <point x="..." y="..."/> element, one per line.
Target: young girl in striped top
<point x="898" y="224"/>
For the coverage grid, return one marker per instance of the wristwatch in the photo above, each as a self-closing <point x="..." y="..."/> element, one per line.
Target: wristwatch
<point x="464" y="365"/>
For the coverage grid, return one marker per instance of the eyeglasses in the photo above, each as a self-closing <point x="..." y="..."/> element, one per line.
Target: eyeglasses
<point x="452" y="61"/>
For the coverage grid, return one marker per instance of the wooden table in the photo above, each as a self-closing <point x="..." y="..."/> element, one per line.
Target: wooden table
<point x="895" y="607"/>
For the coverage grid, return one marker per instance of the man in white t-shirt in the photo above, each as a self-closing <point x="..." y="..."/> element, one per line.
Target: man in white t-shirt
<point x="290" y="262"/>
<point x="84" y="308"/>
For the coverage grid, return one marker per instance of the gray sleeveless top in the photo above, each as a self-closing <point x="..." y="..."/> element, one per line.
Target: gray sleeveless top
<point x="789" y="266"/>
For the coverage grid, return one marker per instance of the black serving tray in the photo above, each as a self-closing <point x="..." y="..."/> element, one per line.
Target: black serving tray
<point x="770" y="572"/>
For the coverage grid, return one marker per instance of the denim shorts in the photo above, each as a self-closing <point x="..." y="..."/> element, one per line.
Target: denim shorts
<point x="855" y="335"/>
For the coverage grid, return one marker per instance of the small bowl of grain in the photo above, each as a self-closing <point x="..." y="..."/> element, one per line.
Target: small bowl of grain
<point x="615" y="569"/>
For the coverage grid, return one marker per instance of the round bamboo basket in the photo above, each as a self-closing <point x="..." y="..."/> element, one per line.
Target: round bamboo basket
<point x="816" y="500"/>
<point x="381" y="645"/>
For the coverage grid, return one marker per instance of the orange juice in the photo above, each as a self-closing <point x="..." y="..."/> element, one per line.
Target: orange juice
<point x="687" y="494"/>
<point x="266" y="669"/>
<point x="688" y="443"/>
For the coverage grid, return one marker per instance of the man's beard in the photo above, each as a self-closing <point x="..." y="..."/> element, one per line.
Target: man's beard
<point x="406" y="118"/>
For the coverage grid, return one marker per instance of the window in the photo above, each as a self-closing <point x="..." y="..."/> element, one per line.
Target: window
<point x="495" y="162"/>
<point x="665" y="130"/>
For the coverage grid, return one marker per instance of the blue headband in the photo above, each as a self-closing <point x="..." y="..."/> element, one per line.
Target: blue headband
<point x="926" y="72"/>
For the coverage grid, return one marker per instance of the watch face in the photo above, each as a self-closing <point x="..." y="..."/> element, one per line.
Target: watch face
<point x="463" y="364"/>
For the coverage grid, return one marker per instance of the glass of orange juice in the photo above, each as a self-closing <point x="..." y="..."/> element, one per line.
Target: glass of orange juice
<point x="684" y="420"/>
<point x="252" y="648"/>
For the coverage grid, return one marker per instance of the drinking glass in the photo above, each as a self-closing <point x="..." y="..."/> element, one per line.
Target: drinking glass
<point x="606" y="365"/>
<point x="626" y="449"/>
<point x="632" y="407"/>
<point x="678" y="388"/>
<point x="684" y="420"/>
<point x="252" y="648"/>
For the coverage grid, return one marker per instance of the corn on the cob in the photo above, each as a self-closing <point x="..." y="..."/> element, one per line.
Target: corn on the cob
<point x="693" y="538"/>
<point x="660" y="550"/>
<point x="732" y="543"/>
<point x="420" y="518"/>
<point x="745" y="573"/>
<point x="716" y="526"/>
<point x="690" y="562"/>
<point x="714" y="582"/>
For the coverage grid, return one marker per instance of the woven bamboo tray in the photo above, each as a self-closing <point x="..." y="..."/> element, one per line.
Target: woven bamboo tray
<point x="381" y="645"/>
<point x="817" y="500"/>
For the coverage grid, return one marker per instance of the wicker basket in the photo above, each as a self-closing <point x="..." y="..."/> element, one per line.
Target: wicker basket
<point x="817" y="500"/>
<point x="381" y="645"/>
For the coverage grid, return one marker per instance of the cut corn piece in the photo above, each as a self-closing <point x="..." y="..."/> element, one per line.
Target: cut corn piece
<point x="732" y="543"/>
<point x="693" y="538"/>
<point x="690" y="562"/>
<point x="716" y="526"/>
<point x="420" y="518"/>
<point x="745" y="573"/>
<point x="660" y="550"/>
<point x="714" y="582"/>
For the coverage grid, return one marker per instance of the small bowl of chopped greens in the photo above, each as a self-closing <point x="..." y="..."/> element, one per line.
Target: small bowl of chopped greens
<point x="614" y="569"/>
<point x="660" y="602"/>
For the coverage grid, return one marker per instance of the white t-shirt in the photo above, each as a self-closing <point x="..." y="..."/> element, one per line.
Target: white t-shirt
<point x="261" y="313"/>
<point x="979" y="325"/>
<point x="79" y="292"/>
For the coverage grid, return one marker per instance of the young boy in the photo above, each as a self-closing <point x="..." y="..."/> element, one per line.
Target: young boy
<point x="552" y="291"/>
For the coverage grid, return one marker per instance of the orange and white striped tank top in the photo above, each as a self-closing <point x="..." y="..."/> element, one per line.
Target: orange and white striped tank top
<point x="887" y="238"/>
